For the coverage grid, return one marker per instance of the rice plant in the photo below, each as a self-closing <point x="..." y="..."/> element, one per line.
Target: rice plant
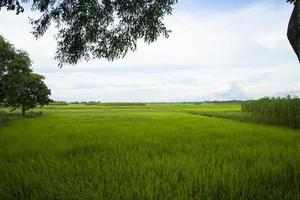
<point x="146" y="152"/>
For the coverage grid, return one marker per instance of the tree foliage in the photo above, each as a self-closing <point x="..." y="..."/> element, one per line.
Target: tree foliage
<point x="19" y="86"/>
<point x="29" y="92"/>
<point x="110" y="28"/>
<point x="97" y="28"/>
<point x="12" y="62"/>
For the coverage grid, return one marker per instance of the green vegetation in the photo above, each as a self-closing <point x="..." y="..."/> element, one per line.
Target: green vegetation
<point x="146" y="152"/>
<point x="96" y="29"/>
<point x="59" y="103"/>
<point x="6" y="117"/>
<point x="278" y="111"/>
<point x="122" y="104"/>
<point x="110" y="28"/>
<point x="19" y="86"/>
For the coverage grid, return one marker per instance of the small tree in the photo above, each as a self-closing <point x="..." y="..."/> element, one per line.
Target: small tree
<point x="19" y="87"/>
<point x="28" y="93"/>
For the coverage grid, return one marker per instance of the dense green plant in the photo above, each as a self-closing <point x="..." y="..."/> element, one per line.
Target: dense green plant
<point x="281" y="111"/>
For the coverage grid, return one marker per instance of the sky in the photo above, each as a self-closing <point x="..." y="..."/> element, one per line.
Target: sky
<point x="218" y="50"/>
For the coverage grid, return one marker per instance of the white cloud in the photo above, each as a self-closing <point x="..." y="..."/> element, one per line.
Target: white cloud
<point x="231" y="91"/>
<point x="244" y="51"/>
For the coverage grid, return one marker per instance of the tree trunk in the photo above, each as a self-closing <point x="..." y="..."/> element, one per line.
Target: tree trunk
<point x="294" y="29"/>
<point x="23" y="110"/>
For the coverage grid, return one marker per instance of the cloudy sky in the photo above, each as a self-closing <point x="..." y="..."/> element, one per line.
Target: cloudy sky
<point x="218" y="50"/>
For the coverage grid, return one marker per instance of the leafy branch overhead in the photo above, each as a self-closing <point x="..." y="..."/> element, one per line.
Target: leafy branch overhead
<point x="110" y="28"/>
<point x="97" y="28"/>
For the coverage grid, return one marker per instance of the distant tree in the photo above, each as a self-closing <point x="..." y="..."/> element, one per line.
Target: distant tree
<point x="19" y="87"/>
<point x="97" y="28"/>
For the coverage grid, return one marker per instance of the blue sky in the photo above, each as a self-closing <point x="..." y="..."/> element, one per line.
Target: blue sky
<point x="218" y="50"/>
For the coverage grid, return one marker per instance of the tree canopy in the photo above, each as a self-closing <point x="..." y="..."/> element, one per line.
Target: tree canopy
<point x="12" y="61"/>
<point x="110" y="28"/>
<point x="28" y="92"/>
<point x="97" y="28"/>
<point x="19" y="86"/>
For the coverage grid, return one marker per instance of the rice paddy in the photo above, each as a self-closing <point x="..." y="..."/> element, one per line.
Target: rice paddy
<point x="146" y="152"/>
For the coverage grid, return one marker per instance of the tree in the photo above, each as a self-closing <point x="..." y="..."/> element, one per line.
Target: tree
<point x="110" y="28"/>
<point x="294" y="28"/>
<point x="19" y="87"/>
<point x="6" y="57"/>
<point x="13" y="63"/>
<point x="97" y="28"/>
<point x="29" y="92"/>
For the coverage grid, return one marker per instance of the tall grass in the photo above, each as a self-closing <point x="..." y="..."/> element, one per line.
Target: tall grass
<point x="6" y="117"/>
<point x="278" y="111"/>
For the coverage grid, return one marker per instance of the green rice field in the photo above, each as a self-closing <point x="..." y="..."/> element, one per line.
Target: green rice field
<point x="153" y="151"/>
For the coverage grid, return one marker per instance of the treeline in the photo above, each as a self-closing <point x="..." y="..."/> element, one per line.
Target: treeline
<point x="123" y="104"/>
<point x="221" y="102"/>
<point x="92" y="103"/>
<point x="278" y="111"/>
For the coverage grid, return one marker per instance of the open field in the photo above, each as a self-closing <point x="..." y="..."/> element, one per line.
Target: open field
<point x="147" y="152"/>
